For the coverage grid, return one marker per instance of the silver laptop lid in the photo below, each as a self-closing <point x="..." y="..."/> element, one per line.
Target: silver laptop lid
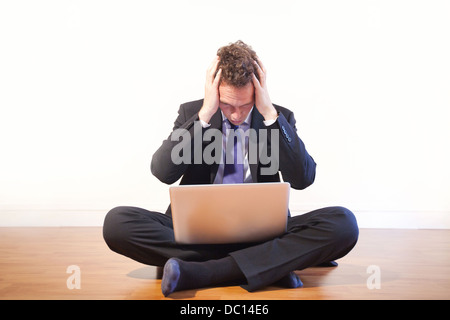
<point x="229" y="213"/>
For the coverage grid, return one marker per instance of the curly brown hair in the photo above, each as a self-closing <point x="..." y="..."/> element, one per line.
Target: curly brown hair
<point x="237" y="64"/>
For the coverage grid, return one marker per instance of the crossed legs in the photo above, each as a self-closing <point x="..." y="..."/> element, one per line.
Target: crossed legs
<point x="313" y="238"/>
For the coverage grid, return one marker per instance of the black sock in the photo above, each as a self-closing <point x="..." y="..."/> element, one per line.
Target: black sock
<point x="209" y="273"/>
<point x="291" y="280"/>
<point x="183" y="275"/>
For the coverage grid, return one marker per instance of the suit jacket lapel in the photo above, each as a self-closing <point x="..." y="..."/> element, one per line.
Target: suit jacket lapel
<point x="257" y="124"/>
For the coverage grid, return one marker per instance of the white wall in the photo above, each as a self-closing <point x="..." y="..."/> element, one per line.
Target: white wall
<point x="89" y="89"/>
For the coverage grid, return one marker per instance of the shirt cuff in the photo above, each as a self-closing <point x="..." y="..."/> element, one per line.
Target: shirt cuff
<point x="204" y="124"/>
<point x="269" y="122"/>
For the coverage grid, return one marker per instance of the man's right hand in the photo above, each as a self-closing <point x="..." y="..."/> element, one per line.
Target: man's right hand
<point x="211" y="101"/>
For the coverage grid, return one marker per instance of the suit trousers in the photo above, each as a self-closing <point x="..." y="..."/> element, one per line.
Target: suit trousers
<point x="311" y="239"/>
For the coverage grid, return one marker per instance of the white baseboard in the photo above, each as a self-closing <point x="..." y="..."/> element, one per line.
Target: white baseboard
<point x="53" y="217"/>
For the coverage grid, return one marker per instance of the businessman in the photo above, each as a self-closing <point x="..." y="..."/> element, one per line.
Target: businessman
<point x="236" y="96"/>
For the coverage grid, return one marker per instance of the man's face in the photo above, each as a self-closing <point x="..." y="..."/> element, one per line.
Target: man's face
<point x="236" y="103"/>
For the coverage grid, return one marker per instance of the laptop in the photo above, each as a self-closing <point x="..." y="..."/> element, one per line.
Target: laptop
<point x="229" y="213"/>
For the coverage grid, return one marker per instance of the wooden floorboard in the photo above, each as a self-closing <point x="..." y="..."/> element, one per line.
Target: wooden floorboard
<point x="412" y="264"/>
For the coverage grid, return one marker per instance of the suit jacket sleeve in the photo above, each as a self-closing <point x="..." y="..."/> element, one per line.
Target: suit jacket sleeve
<point x="295" y="164"/>
<point x="162" y="165"/>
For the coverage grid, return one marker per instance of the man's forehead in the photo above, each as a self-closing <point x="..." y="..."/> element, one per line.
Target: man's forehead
<point x="237" y="97"/>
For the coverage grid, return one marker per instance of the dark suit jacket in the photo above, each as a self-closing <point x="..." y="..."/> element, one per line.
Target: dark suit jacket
<point x="295" y="164"/>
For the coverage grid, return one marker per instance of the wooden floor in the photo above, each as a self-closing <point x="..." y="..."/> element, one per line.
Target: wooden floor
<point x="409" y="264"/>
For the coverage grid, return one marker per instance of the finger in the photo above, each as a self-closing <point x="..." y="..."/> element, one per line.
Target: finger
<point x="261" y="74"/>
<point x="214" y="62"/>
<point x="256" y="82"/>
<point x="260" y="64"/>
<point x="212" y="68"/>
<point x="217" y="78"/>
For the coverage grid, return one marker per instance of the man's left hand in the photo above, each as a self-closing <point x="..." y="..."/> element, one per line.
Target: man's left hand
<point x="262" y="99"/>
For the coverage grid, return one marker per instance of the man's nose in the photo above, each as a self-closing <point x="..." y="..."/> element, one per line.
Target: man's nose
<point x="237" y="112"/>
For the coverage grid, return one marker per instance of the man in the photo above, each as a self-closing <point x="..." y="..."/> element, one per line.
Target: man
<point x="235" y="95"/>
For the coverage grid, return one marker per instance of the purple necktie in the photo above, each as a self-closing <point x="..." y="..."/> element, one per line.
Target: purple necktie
<point x="234" y="172"/>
